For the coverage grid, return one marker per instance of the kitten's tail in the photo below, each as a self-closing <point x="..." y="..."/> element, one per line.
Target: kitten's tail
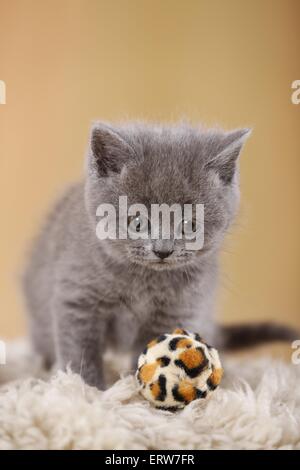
<point x="251" y="334"/>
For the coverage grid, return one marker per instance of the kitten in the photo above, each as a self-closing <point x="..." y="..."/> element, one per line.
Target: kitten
<point x="84" y="293"/>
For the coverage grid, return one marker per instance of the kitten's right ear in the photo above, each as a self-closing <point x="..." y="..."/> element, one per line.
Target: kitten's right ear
<point x="224" y="156"/>
<point x="108" y="150"/>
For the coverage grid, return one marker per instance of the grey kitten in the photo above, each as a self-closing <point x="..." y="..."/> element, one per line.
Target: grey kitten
<point x="84" y="294"/>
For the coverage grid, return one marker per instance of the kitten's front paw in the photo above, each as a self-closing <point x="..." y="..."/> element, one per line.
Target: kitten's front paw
<point x="94" y="379"/>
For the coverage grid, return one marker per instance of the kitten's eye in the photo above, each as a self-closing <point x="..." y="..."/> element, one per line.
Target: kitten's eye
<point x="134" y="223"/>
<point x="138" y="224"/>
<point x="188" y="228"/>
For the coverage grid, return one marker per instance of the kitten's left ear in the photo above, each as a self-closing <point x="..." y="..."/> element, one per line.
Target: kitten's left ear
<point x="225" y="156"/>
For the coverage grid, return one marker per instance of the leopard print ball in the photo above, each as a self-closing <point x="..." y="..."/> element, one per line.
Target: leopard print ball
<point x="178" y="368"/>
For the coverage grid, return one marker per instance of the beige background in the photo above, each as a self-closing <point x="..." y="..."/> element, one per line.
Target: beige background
<point x="66" y="62"/>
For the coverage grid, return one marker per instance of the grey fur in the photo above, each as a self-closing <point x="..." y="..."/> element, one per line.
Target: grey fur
<point x="84" y="294"/>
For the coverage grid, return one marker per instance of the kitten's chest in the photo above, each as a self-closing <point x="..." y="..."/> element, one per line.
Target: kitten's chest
<point x="150" y="306"/>
<point x="156" y="293"/>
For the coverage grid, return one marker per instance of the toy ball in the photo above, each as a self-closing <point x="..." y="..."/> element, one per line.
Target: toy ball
<point x="176" y="369"/>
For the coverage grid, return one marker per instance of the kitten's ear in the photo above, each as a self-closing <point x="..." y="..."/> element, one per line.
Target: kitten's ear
<point x="225" y="156"/>
<point x="108" y="149"/>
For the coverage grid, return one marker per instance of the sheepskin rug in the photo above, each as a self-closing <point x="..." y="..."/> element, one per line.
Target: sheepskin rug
<point x="256" y="407"/>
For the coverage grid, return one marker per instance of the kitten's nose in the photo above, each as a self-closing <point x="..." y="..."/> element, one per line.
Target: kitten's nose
<point x="163" y="254"/>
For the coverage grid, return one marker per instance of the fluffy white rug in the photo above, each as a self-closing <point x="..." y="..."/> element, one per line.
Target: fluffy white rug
<point x="257" y="407"/>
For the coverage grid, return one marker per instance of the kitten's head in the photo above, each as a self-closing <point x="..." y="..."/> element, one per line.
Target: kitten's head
<point x="176" y="164"/>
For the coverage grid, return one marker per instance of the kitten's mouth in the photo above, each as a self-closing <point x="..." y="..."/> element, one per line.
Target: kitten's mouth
<point x="161" y="264"/>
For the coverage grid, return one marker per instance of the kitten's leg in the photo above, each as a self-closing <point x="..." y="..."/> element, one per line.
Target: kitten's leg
<point x="42" y="342"/>
<point x="143" y="338"/>
<point x="137" y="349"/>
<point x="79" y="334"/>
